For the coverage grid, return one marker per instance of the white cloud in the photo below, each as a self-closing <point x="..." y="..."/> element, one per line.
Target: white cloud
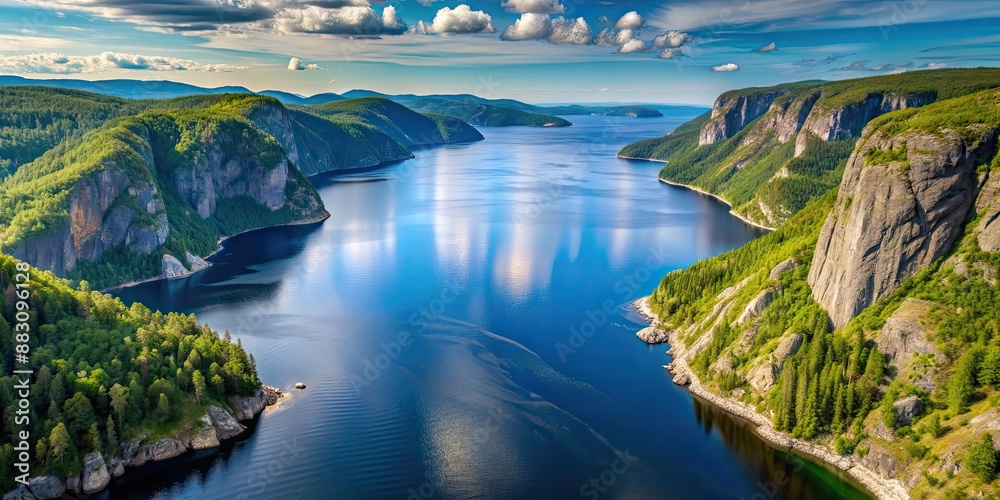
<point x="672" y="38"/>
<point x="767" y="48"/>
<point x="462" y="19"/>
<point x="670" y="53"/>
<point x="633" y="45"/>
<point x="726" y="67"/>
<point x="425" y="3"/>
<point x="576" y="32"/>
<point x="352" y="20"/>
<point x="556" y="31"/>
<point x="391" y="21"/>
<point x="56" y="63"/>
<point x="534" y="6"/>
<point x="295" y="64"/>
<point x="630" y="20"/>
<point x="528" y="27"/>
<point x="421" y="28"/>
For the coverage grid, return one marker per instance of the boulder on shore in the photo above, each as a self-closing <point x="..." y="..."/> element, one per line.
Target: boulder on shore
<point x="47" y="487"/>
<point x="95" y="473"/>
<point x="247" y="407"/>
<point x="19" y="493"/>
<point x="73" y="483"/>
<point x="652" y="335"/>
<point x="226" y="426"/>
<point x="203" y="435"/>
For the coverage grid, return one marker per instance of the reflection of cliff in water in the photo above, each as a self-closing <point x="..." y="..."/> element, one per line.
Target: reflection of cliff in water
<point x="790" y="476"/>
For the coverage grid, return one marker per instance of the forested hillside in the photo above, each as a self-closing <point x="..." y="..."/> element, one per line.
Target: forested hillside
<point x="769" y="151"/>
<point x="868" y="321"/>
<point x="107" y="375"/>
<point x="112" y="191"/>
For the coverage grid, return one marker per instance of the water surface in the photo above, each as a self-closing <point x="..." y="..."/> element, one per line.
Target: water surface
<point x="459" y="324"/>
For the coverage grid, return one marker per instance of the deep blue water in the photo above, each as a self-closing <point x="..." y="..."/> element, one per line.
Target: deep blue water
<point x="459" y="323"/>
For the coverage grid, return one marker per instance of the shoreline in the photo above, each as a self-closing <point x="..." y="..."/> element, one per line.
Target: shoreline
<point x="702" y="191"/>
<point x="324" y="216"/>
<point x="879" y="487"/>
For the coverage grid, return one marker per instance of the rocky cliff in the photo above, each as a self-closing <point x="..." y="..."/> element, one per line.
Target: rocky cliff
<point x="769" y="151"/>
<point x="902" y="204"/>
<point x="155" y="186"/>
<point x="734" y="110"/>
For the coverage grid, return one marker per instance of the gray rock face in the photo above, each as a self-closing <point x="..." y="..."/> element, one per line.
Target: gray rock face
<point x="764" y="376"/>
<point x="133" y="455"/>
<point x="652" y="335"/>
<point x="95" y="473"/>
<point x="74" y="484"/>
<point x="246" y="408"/>
<point x="47" y="487"/>
<point x="164" y="449"/>
<point x="907" y="409"/>
<point x="732" y="112"/>
<point x="197" y="263"/>
<point x="116" y="468"/>
<point x="881" y="462"/>
<point x="20" y="493"/>
<point x="225" y="426"/>
<point x="903" y="337"/>
<point x="987" y="421"/>
<point x="988" y="207"/>
<point x="786" y="265"/>
<point x="756" y="306"/>
<point x="891" y="221"/>
<point x="204" y="436"/>
<point x="848" y="121"/>
<point x="172" y="268"/>
<point x="218" y="176"/>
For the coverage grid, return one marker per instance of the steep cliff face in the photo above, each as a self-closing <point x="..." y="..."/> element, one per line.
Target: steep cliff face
<point x="108" y="195"/>
<point x="847" y="121"/>
<point x="903" y="203"/>
<point x="734" y="110"/>
<point x="769" y="151"/>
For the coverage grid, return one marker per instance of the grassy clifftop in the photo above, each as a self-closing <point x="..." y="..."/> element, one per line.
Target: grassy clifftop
<point x="769" y="166"/>
<point x="910" y="386"/>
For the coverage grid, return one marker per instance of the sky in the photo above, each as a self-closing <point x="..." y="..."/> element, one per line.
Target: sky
<point x="539" y="51"/>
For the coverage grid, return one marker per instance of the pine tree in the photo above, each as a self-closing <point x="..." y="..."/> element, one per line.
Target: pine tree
<point x="198" y="381"/>
<point x="61" y="449"/>
<point x="163" y="408"/>
<point x="982" y="458"/>
<point x="112" y="436"/>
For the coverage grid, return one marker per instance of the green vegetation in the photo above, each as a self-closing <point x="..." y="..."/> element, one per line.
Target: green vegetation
<point x="982" y="458"/>
<point x="36" y="119"/>
<point x="838" y="388"/>
<point x="761" y="177"/>
<point x="106" y="374"/>
<point x="404" y="125"/>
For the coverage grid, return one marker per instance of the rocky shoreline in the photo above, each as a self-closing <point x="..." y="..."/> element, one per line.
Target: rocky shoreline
<point x="881" y="488"/>
<point x="200" y="263"/>
<point x="216" y="426"/>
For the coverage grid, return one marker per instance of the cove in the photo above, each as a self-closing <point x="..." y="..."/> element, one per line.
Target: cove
<point x="460" y="324"/>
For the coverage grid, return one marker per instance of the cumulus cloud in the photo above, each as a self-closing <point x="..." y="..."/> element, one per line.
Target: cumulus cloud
<point x="528" y="27"/>
<point x="726" y="67"/>
<point x="296" y="64"/>
<point x="353" y="20"/>
<point x="633" y="45"/>
<point x="767" y="48"/>
<point x="56" y="63"/>
<point x="557" y="31"/>
<point x="630" y="20"/>
<point x="671" y="39"/>
<point x="576" y="32"/>
<point x="534" y="6"/>
<point x="421" y="28"/>
<point x="462" y="19"/>
<point x="670" y="53"/>
<point x="391" y="21"/>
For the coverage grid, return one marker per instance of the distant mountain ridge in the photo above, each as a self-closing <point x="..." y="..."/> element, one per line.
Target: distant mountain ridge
<point x="476" y="110"/>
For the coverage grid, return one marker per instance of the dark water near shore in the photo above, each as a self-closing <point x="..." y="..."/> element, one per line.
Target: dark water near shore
<point x="458" y="322"/>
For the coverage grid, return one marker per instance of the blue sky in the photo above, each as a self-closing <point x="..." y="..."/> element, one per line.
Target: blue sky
<point x="545" y="51"/>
